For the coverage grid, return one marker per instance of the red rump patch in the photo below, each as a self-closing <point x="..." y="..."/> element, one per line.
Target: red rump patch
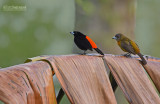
<point x="91" y="42"/>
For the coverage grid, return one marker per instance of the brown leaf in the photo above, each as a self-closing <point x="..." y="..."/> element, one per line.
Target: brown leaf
<point x="84" y="79"/>
<point x="132" y="79"/>
<point x="14" y="87"/>
<point x="153" y="69"/>
<point x="30" y="83"/>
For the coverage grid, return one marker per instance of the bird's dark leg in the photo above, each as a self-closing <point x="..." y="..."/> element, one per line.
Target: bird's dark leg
<point x="146" y="56"/>
<point x="127" y="55"/>
<point x="84" y="53"/>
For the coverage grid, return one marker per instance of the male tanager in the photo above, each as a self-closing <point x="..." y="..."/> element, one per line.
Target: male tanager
<point x="84" y="42"/>
<point x="129" y="46"/>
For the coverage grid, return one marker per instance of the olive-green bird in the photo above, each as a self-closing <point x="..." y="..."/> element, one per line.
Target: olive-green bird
<point x="129" y="46"/>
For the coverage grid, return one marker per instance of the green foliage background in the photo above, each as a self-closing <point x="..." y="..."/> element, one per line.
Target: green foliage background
<point x="43" y="28"/>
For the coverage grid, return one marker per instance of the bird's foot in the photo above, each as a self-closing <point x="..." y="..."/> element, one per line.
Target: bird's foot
<point x="146" y="56"/>
<point x="127" y="55"/>
<point x="83" y="53"/>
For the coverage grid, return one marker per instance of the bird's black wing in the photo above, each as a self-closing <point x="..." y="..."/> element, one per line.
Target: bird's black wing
<point x="83" y="43"/>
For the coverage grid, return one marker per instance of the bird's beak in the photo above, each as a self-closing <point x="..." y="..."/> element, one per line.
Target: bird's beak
<point x="114" y="38"/>
<point x="72" y="33"/>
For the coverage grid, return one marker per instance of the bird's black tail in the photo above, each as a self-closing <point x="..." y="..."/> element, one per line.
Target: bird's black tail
<point x="143" y="60"/>
<point x="99" y="51"/>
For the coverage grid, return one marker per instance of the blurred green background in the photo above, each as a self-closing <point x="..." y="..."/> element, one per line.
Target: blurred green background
<point x="30" y="28"/>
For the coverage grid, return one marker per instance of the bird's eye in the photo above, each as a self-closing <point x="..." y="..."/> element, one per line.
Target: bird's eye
<point x="117" y="37"/>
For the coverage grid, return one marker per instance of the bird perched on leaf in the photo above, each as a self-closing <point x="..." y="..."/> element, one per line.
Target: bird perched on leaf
<point x="129" y="46"/>
<point x="84" y="42"/>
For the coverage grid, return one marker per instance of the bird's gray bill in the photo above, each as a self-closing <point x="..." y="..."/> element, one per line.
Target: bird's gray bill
<point x="114" y="37"/>
<point x="72" y="33"/>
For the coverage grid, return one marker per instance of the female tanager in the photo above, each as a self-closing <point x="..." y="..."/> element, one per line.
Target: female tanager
<point x="129" y="46"/>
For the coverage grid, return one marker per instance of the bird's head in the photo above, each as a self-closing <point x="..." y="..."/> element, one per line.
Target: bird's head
<point x="76" y="33"/>
<point x="118" y="37"/>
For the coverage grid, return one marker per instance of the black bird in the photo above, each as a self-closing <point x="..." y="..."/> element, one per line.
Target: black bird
<point x="84" y="42"/>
